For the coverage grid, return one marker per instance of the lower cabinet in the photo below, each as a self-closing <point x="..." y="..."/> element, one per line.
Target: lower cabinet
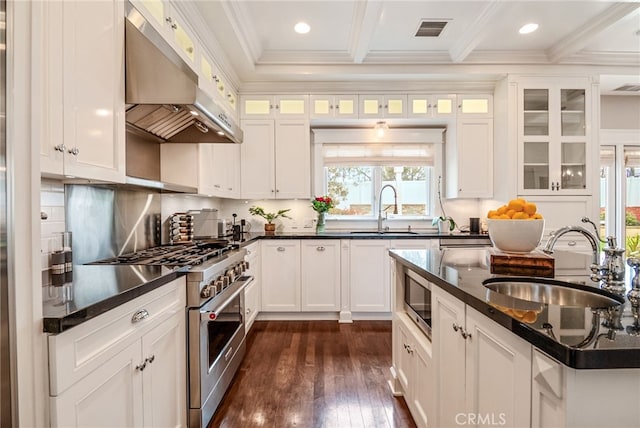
<point x="482" y="370"/>
<point x="281" y="275"/>
<point x="320" y="262"/>
<point x="253" y="292"/>
<point x="414" y="369"/>
<point x="369" y="277"/>
<point x="112" y="371"/>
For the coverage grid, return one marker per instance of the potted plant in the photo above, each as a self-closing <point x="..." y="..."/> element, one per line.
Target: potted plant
<point x="443" y="218"/>
<point x="269" y="226"/>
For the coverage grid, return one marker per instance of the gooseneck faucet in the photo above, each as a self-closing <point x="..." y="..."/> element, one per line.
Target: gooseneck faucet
<point x="395" y="204"/>
<point x="548" y="248"/>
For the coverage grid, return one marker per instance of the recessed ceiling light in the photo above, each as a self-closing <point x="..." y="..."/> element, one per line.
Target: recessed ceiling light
<point x="528" y="28"/>
<point x="302" y="28"/>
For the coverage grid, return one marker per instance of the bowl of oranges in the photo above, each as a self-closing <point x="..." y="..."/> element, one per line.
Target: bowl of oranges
<point x="515" y="227"/>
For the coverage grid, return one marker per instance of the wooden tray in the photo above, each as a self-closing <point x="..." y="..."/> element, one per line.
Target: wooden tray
<point x="535" y="263"/>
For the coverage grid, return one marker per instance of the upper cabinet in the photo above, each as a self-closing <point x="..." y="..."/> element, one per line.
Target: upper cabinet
<point x="382" y="106"/>
<point x="554" y="137"/>
<point x="333" y="107"/>
<point x="280" y="106"/>
<point x="172" y="26"/>
<point x="477" y="106"/>
<point x="81" y="69"/>
<point x="213" y="82"/>
<point x="428" y="106"/>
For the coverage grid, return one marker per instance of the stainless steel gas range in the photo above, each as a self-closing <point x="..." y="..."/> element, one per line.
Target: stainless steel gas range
<point x="215" y="316"/>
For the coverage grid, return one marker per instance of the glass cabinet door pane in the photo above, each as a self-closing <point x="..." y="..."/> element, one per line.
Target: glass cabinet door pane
<point x="291" y="106"/>
<point x="573" y="166"/>
<point x="419" y="106"/>
<point x="536" y="165"/>
<point x="445" y="106"/>
<point x="572" y="107"/>
<point x="631" y="229"/>
<point x="536" y="112"/>
<point x="480" y="105"/>
<point x="346" y="106"/>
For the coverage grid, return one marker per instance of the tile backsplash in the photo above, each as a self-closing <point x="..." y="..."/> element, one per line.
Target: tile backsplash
<point x="52" y="222"/>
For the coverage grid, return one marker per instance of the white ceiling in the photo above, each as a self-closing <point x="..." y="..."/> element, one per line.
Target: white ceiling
<point x="373" y="40"/>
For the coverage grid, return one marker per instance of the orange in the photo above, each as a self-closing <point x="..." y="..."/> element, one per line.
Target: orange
<point x="510" y="213"/>
<point x="502" y="209"/>
<point x="530" y="208"/>
<point x="537" y="216"/>
<point x="492" y="214"/>
<point x="504" y="217"/>
<point x="516" y="205"/>
<point x="520" y="216"/>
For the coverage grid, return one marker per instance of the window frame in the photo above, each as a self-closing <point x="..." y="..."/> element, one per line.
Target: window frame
<point x="434" y="136"/>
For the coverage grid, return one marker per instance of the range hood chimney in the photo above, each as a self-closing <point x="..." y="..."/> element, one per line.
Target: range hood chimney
<point x="162" y="93"/>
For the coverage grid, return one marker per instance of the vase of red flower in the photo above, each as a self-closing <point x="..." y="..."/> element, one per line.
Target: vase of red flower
<point x="321" y="205"/>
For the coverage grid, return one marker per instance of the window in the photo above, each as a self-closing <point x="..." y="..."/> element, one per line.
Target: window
<point x="353" y="172"/>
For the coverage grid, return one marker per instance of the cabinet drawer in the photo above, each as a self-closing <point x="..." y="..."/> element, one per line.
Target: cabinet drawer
<point x="79" y="351"/>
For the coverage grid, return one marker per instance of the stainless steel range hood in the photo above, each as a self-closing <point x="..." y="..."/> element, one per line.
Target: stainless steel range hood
<point x="162" y="93"/>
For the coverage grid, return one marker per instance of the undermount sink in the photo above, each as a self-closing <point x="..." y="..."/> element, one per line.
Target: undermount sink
<point x="386" y="232"/>
<point x="553" y="292"/>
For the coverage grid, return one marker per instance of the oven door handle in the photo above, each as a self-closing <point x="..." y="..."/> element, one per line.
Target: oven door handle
<point x="214" y="314"/>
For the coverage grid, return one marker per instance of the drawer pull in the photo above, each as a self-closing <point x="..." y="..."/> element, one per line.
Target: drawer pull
<point x="320" y="248"/>
<point x="571" y="243"/>
<point x="150" y="360"/>
<point x="142" y="366"/>
<point x="280" y="248"/>
<point x="140" y="315"/>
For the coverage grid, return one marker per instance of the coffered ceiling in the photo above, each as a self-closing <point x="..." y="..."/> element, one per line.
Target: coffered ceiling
<point x="374" y="40"/>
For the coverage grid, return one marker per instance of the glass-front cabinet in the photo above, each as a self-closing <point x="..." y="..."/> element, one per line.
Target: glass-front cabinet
<point x="554" y="140"/>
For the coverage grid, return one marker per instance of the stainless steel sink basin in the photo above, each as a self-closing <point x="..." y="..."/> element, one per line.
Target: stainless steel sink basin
<point x="553" y="292"/>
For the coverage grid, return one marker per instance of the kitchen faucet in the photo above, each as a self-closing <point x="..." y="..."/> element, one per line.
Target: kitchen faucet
<point x="548" y="248"/>
<point x="395" y="204"/>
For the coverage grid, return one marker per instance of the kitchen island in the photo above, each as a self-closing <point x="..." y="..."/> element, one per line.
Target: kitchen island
<point x="485" y="362"/>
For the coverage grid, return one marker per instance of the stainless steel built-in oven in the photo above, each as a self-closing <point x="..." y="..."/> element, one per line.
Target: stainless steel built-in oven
<point x="417" y="300"/>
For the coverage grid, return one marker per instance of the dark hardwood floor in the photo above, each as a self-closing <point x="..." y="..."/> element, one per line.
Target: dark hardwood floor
<point x="314" y="374"/>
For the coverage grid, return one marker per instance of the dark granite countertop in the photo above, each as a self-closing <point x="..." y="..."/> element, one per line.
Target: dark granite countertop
<point x="364" y="234"/>
<point x="461" y="273"/>
<point x="96" y="289"/>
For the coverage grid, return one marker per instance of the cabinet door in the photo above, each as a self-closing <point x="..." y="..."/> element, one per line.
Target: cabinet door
<point x="257" y="154"/>
<point x="423" y="385"/>
<point x="110" y="396"/>
<point x="292" y="159"/>
<point x="429" y="106"/>
<point x="548" y="407"/>
<point x="164" y="376"/>
<point x="320" y="275"/>
<point x="281" y="276"/>
<point x="369" y="278"/>
<point x="494" y="352"/>
<point x="382" y="106"/>
<point x="475" y="158"/>
<point x="333" y="106"/>
<point x="180" y="36"/>
<point x="251" y="302"/>
<point x="404" y="361"/>
<point x="291" y="106"/>
<point x="449" y="357"/>
<point x="93" y="104"/>
<point x="478" y="106"/>
<point x="226" y="169"/>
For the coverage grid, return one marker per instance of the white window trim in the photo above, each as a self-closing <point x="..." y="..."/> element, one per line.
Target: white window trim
<point x="320" y="136"/>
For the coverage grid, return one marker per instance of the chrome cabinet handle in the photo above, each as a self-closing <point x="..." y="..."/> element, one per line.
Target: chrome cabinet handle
<point x="456" y="327"/>
<point x="139" y="315"/>
<point x="465" y="335"/>
<point x="150" y="359"/>
<point x="142" y="366"/>
<point x="60" y="148"/>
<point x="320" y="248"/>
<point x="74" y="151"/>
<point x="280" y="248"/>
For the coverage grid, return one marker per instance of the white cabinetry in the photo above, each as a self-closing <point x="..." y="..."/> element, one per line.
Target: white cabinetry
<point x="369" y="277"/>
<point x="277" y="107"/>
<point x="430" y="106"/>
<point x="219" y="170"/>
<point x="475" y="106"/>
<point x="382" y="106"/>
<point x="320" y="275"/>
<point x="253" y="293"/>
<point x="276" y="159"/>
<point x="113" y="371"/>
<point x="213" y="82"/>
<point x="471" y="353"/>
<point x="564" y="397"/>
<point x="333" y="106"/>
<point x="555" y="136"/>
<point x="281" y="275"/>
<point x="414" y="369"/>
<point x="82" y="80"/>
<point x="170" y="24"/>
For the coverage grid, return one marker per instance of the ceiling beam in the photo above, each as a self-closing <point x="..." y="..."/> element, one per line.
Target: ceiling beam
<point x="240" y="20"/>
<point x="366" y="17"/>
<point x="577" y="40"/>
<point x="475" y="33"/>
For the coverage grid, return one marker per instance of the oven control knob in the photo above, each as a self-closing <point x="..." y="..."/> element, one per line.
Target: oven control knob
<point x="206" y="291"/>
<point x="218" y="285"/>
<point x="225" y="281"/>
<point x="246" y="265"/>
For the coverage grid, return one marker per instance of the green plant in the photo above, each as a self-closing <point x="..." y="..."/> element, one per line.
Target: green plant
<point x="259" y="211"/>
<point x="443" y="216"/>
<point x="632" y="245"/>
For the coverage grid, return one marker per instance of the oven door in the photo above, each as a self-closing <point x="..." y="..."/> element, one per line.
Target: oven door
<point x="417" y="300"/>
<point x="216" y="334"/>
